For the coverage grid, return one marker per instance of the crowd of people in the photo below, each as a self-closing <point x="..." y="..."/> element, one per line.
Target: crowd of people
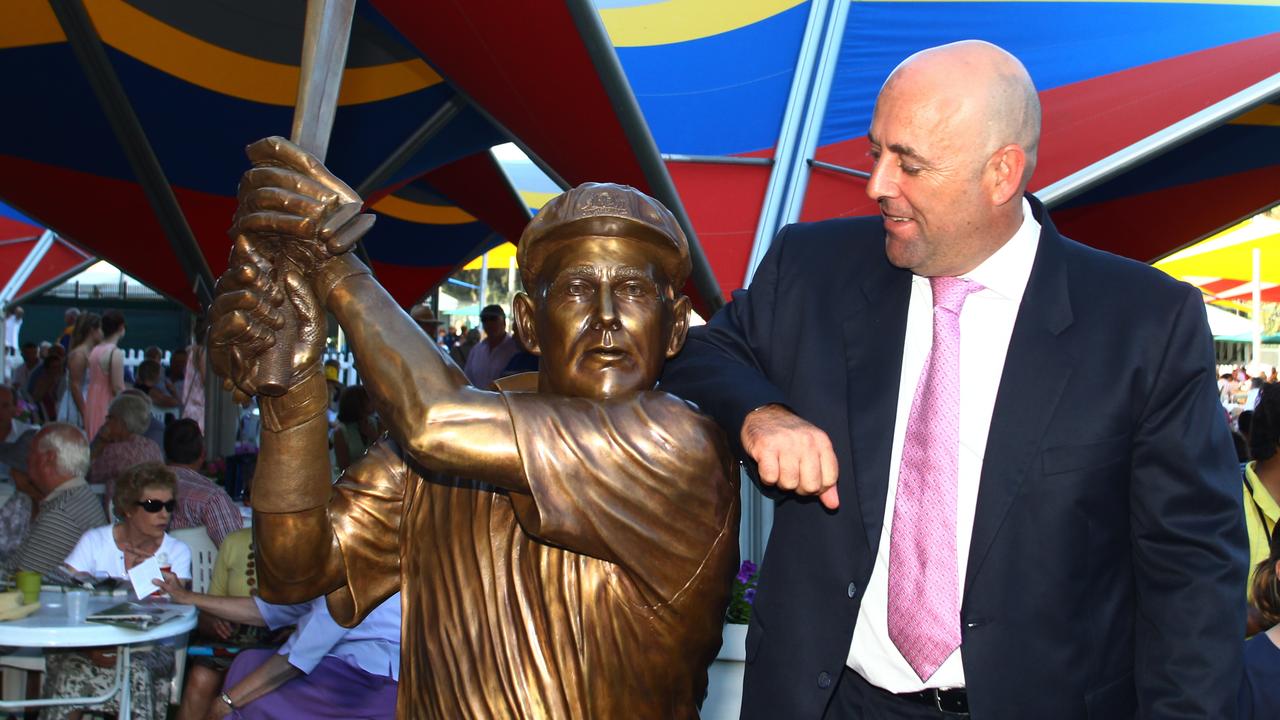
<point x="105" y="461"/>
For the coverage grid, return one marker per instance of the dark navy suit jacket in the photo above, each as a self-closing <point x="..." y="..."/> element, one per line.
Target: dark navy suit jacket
<point x="1106" y="572"/>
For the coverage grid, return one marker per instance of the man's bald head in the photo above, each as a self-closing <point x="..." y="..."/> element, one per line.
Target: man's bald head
<point x="954" y="137"/>
<point x="989" y="86"/>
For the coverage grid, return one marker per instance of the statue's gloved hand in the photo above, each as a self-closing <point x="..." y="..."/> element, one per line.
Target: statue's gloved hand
<point x="295" y="208"/>
<point x="248" y="313"/>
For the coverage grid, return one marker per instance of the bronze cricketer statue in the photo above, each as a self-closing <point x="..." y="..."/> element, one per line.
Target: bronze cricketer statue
<point x="565" y="544"/>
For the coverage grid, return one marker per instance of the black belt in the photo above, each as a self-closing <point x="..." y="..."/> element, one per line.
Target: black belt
<point x="954" y="701"/>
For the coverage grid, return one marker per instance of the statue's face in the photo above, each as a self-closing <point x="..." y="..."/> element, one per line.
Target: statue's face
<point x="604" y="318"/>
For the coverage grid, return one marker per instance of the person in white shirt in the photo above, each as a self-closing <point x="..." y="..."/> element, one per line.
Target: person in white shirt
<point x="143" y="501"/>
<point x="489" y="358"/>
<point x="323" y="670"/>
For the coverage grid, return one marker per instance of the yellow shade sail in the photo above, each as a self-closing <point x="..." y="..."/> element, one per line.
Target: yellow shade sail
<point x="499" y="258"/>
<point x="1229" y="254"/>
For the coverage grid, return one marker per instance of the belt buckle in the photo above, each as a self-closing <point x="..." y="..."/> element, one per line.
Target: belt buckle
<point x="950" y="705"/>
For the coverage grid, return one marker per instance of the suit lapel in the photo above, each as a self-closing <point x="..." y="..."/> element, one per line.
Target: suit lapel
<point x="1036" y="369"/>
<point x="874" y="331"/>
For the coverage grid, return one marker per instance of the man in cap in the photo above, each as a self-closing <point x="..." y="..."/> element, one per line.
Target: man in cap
<point x="564" y="546"/>
<point x="488" y="359"/>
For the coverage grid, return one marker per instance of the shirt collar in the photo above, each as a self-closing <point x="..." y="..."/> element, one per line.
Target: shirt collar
<point x="1008" y="269"/>
<point x="67" y="486"/>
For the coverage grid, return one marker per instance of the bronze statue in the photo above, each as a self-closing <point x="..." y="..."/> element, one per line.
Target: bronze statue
<point x="566" y="544"/>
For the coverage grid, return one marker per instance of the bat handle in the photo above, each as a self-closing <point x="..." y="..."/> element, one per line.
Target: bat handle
<point x="275" y="369"/>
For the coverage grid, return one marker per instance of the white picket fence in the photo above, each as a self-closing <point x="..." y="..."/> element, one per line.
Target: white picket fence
<point x="133" y="357"/>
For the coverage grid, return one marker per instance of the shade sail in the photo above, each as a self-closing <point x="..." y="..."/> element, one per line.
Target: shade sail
<point x="205" y="79"/>
<point x="713" y="78"/>
<point x="1222" y="266"/>
<point x="55" y="260"/>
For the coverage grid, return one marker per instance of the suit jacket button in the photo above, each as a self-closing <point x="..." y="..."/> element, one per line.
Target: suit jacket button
<point x="853" y="590"/>
<point x="824" y="680"/>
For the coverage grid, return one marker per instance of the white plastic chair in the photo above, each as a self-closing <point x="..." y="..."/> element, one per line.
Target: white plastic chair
<point x="203" y="555"/>
<point x="16" y="666"/>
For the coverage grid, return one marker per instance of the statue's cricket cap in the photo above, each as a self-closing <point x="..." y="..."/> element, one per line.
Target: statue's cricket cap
<point x="605" y="210"/>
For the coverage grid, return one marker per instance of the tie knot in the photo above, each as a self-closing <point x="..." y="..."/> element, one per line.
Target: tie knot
<point x="950" y="292"/>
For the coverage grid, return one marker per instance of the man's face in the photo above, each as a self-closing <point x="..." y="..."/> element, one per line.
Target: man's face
<point x="495" y="326"/>
<point x="30" y="355"/>
<point x="8" y="408"/>
<point x="605" y="319"/>
<point x="929" y="179"/>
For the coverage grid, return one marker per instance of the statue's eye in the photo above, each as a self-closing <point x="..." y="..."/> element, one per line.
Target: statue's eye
<point x="577" y="287"/>
<point x="632" y="289"/>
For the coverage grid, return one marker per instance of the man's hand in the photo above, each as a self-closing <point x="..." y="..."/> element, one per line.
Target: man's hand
<point x="791" y="454"/>
<point x="247" y="315"/>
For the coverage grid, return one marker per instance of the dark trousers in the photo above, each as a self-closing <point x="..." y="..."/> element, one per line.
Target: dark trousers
<point x="857" y="699"/>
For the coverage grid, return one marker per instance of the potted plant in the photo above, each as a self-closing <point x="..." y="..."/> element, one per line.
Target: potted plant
<point x="724" y="677"/>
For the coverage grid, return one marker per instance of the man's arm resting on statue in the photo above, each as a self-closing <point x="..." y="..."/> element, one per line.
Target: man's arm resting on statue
<point x="442" y="422"/>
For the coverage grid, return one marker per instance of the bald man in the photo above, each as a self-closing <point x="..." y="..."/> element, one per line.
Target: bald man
<point x="1004" y="486"/>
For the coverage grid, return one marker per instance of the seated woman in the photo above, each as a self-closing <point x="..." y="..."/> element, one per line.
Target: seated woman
<point x="122" y="443"/>
<point x="143" y="501"/>
<point x="323" y="671"/>
<point x="234" y="575"/>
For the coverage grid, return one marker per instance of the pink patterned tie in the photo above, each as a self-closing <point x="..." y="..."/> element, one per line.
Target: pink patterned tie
<point x="924" y="579"/>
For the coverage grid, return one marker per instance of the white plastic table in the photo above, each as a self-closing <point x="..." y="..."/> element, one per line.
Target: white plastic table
<point x="49" y="627"/>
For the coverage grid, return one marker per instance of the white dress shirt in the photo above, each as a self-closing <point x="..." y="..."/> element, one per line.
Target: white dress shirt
<point x="986" y="324"/>
<point x="372" y="646"/>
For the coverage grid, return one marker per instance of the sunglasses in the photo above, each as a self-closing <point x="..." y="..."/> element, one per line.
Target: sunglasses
<point x="155" y="506"/>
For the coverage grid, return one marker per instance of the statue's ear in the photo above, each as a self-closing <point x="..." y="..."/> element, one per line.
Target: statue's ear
<point x="679" y="325"/>
<point x="522" y="310"/>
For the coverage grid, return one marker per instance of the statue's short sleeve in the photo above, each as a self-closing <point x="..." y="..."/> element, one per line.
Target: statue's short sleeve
<point x="644" y="482"/>
<point x="365" y="513"/>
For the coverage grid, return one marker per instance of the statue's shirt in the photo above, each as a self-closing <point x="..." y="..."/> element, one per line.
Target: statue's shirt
<point x="599" y="594"/>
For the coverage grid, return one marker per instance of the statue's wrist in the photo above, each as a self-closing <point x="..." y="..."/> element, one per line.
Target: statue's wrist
<point x="331" y="274"/>
<point x="304" y="401"/>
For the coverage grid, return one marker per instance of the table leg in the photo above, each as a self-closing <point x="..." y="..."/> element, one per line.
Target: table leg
<point x="126" y="683"/>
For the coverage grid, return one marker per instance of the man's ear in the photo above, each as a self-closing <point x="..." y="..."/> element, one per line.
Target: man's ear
<point x="679" y="325"/>
<point x="1007" y="165"/>
<point x="522" y="320"/>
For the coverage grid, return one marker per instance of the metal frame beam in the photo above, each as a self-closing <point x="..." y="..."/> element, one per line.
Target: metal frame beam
<point x="436" y="122"/>
<point x="717" y="159"/>
<point x="605" y="58"/>
<point x="417" y="140"/>
<point x="98" y="70"/>
<point x="801" y="125"/>
<point x="1160" y="142"/>
<point x="863" y="174"/>
<point x="26" y="267"/>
